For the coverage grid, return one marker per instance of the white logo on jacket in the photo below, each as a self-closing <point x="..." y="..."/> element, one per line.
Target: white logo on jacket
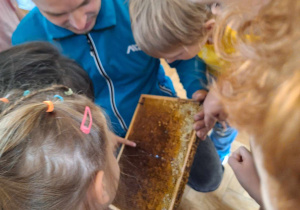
<point x="132" y="48"/>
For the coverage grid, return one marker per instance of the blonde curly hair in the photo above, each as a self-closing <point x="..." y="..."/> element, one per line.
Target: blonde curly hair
<point x="261" y="89"/>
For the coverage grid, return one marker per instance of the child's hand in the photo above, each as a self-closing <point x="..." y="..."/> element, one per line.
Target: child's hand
<point x="199" y="125"/>
<point x="199" y="95"/>
<point x="242" y="163"/>
<point x="121" y="140"/>
<point x="213" y="110"/>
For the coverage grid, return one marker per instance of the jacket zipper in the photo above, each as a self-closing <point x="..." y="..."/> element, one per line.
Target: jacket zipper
<point x="107" y="79"/>
<point x="165" y="90"/>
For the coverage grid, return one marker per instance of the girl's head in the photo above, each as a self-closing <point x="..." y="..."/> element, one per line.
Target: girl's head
<point x="171" y="29"/>
<point x="39" y="64"/>
<point x="261" y="93"/>
<point x="47" y="161"/>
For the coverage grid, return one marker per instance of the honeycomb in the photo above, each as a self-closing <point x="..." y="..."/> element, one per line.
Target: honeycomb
<point x="153" y="174"/>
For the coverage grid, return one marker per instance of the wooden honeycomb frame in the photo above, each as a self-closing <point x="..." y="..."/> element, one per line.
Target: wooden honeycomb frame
<point x="162" y="115"/>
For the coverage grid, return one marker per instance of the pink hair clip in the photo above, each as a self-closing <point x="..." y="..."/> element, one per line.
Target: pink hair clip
<point x="84" y="128"/>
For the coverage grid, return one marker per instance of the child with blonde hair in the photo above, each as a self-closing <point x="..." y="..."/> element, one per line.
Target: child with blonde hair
<point x="179" y="30"/>
<point x="39" y="64"/>
<point x="56" y="150"/>
<point x="261" y="94"/>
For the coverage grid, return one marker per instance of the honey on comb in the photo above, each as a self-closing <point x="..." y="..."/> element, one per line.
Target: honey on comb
<point x="153" y="174"/>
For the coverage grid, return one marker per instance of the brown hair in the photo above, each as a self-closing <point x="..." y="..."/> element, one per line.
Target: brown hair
<point x="261" y="90"/>
<point x="46" y="161"/>
<point x="39" y="64"/>
<point x="161" y="26"/>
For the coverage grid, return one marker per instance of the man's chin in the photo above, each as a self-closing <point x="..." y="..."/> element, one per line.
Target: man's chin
<point x="83" y="31"/>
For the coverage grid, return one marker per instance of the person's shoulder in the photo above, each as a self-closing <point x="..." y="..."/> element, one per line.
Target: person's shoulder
<point x="31" y="28"/>
<point x="121" y="5"/>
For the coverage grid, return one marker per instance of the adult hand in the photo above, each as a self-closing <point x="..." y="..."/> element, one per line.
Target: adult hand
<point x="242" y="164"/>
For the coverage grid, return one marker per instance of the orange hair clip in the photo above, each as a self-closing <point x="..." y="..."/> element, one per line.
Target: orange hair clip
<point x="50" y="106"/>
<point x="4" y="100"/>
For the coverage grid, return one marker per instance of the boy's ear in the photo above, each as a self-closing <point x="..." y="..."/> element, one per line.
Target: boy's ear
<point x="100" y="189"/>
<point x="209" y="25"/>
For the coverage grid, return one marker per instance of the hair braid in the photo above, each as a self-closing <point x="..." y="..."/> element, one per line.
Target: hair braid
<point x="17" y="102"/>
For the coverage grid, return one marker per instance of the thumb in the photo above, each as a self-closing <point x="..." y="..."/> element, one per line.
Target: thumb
<point x="234" y="163"/>
<point x="245" y="153"/>
<point x="222" y="116"/>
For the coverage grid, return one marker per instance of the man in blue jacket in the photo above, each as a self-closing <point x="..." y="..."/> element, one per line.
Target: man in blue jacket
<point x="97" y="34"/>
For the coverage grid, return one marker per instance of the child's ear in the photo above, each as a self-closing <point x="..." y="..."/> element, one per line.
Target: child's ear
<point x="100" y="189"/>
<point x="209" y="25"/>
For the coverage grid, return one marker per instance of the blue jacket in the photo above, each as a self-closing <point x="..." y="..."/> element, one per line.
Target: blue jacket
<point x="120" y="71"/>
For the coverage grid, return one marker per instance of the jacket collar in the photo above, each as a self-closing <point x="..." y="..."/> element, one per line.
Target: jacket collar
<point x="105" y="19"/>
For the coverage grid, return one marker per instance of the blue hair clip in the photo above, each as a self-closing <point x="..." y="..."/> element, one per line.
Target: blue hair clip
<point x="26" y="92"/>
<point x="59" y="97"/>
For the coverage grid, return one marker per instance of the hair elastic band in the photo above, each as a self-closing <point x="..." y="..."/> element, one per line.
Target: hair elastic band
<point x="26" y="93"/>
<point x="50" y="106"/>
<point x="69" y="92"/>
<point x="4" y="100"/>
<point x="83" y="128"/>
<point x="59" y="97"/>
